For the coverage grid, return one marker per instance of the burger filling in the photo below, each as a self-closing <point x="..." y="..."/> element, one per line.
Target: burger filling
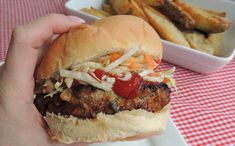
<point x="109" y="84"/>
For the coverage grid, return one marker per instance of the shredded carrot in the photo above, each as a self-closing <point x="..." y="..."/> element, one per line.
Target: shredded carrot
<point x="155" y="74"/>
<point x="150" y="61"/>
<point x="114" y="56"/>
<point x="131" y="60"/>
<point x="166" y="80"/>
<point x="101" y="61"/>
<point x="158" y="61"/>
<point x="134" y="66"/>
<point x="132" y="63"/>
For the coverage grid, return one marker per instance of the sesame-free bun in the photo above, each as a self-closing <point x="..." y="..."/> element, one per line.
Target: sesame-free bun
<point x="122" y="126"/>
<point x="85" y="42"/>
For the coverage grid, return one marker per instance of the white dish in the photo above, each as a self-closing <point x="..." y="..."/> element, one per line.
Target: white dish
<point x="179" y="55"/>
<point x="176" y="139"/>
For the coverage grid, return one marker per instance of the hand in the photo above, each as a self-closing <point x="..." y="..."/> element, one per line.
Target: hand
<point x="20" y="122"/>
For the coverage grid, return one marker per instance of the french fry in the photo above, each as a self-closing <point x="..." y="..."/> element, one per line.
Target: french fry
<point x="199" y="42"/>
<point x="108" y="8"/>
<point x="215" y="40"/>
<point x="174" y="21"/>
<point x="165" y="28"/>
<point x="137" y="11"/>
<point x="155" y="2"/>
<point x="176" y="14"/>
<point x="95" y="12"/>
<point x="213" y="12"/>
<point x="121" y="6"/>
<point x="204" y="21"/>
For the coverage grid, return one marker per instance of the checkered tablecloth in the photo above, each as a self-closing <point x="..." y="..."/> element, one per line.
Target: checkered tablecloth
<point x="204" y="110"/>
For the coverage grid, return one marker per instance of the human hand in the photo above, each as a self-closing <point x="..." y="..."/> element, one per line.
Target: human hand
<point x="20" y="122"/>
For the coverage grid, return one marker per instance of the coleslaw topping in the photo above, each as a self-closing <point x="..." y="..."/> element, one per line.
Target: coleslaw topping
<point x="120" y="68"/>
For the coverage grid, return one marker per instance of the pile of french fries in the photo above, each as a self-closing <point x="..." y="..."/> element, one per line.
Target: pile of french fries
<point x="174" y="20"/>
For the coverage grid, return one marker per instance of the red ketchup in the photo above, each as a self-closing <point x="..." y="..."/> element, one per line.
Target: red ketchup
<point x="99" y="73"/>
<point x="127" y="89"/>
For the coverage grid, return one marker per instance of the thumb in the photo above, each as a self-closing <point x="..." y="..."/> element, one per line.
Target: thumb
<point x="27" y="40"/>
<point x="25" y="49"/>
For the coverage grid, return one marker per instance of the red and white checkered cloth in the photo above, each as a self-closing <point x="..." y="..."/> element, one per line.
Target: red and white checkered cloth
<point x="204" y="110"/>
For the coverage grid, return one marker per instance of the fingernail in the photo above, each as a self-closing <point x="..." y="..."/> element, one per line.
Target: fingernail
<point x="76" y="19"/>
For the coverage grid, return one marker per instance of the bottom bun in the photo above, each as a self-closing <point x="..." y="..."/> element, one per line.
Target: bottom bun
<point x="125" y="125"/>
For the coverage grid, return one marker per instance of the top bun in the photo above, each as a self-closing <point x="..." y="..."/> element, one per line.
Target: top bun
<point x="85" y="42"/>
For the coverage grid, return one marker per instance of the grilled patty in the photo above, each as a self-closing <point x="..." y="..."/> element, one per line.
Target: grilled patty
<point x="86" y="101"/>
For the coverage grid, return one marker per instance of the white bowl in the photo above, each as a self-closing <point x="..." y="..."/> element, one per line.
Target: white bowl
<point x="176" y="54"/>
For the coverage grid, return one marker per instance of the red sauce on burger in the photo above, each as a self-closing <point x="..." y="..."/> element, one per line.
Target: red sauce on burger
<point x="124" y="88"/>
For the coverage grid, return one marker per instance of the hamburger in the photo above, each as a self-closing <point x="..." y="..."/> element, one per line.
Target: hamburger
<point x="101" y="82"/>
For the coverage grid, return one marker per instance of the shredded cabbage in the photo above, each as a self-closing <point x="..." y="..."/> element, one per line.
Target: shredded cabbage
<point x="57" y="85"/>
<point x="104" y="77"/>
<point x="169" y="74"/>
<point x="153" y="79"/>
<point x="90" y="64"/>
<point x="170" y="71"/>
<point x="145" y="72"/>
<point x="68" y="82"/>
<point x="110" y="80"/>
<point x="87" y="78"/>
<point x="57" y="89"/>
<point x="86" y="66"/>
<point x="173" y="83"/>
<point x="120" y="60"/>
<point x="119" y="70"/>
<point x="126" y="77"/>
<point x="94" y="76"/>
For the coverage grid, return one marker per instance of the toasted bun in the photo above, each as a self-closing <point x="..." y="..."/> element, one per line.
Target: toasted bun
<point x="125" y="125"/>
<point x="85" y="42"/>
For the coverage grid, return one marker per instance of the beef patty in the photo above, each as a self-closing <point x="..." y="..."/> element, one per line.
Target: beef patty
<point x="86" y="101"/>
